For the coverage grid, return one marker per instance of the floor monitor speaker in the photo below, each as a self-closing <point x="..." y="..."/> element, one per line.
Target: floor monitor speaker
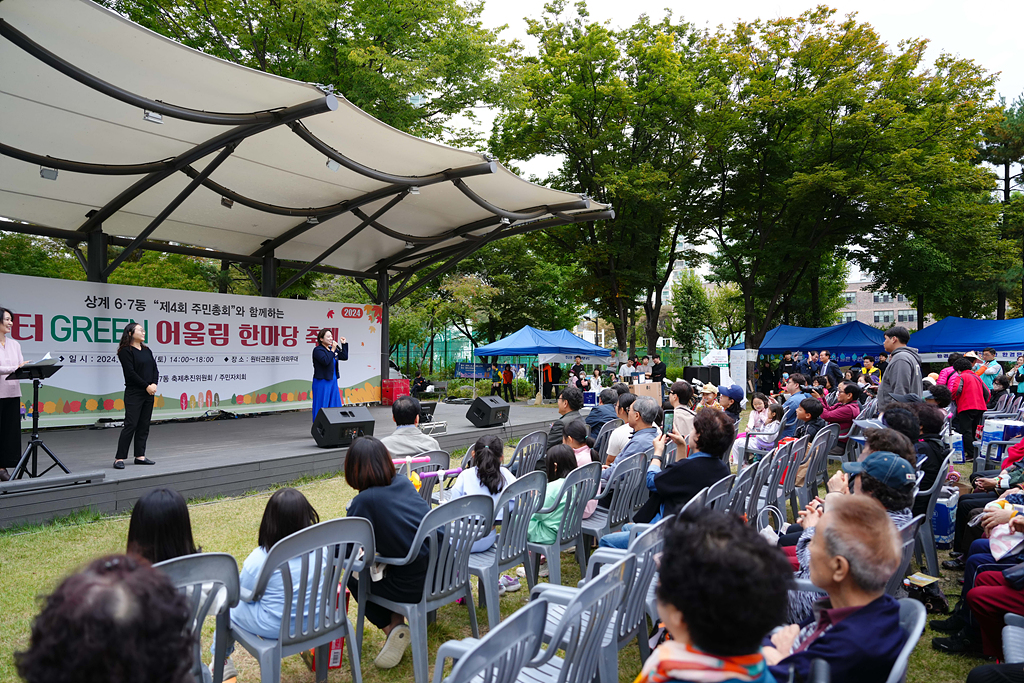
<point x="336" y="427"/>
<point x="488" y="411"/>
<point x="703" y="374"/>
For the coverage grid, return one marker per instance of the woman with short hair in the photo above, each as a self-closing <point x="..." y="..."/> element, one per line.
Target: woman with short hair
<point x="326" y="355"/>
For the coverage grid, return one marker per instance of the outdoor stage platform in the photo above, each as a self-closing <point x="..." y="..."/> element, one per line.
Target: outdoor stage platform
<point x="220" y="457"/>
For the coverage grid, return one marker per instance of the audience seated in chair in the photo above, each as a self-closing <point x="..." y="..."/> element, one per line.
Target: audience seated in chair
<point x="117" y="621"/>
<point x="407" y="439"/>
<point x="716" y="616"/>
<point x="603" y="412"/>
<point x="642" y="415"/>
<point x="843" y="413"/>
<point x="391" y="503"/>
<point x="856" y="629"/>
<point x="619" y="437"/>
<point x="569" y="403"/>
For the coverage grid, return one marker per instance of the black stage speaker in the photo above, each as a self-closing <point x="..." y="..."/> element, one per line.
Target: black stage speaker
<point x="487" y="411"/>
<point x="334" y="427"/>
<point x="703" y="374"/>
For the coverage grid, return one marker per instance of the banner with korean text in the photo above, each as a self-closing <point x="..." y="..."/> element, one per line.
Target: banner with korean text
<point x="213" y="351"/>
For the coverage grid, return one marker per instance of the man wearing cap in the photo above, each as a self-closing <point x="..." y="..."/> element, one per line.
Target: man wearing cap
<point x="903" y="374"/>
<point x="729" y="398"/>
<point x="882" y="475"/>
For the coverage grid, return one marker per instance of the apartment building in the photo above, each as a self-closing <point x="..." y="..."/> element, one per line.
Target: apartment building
<point x="877" y="308"/>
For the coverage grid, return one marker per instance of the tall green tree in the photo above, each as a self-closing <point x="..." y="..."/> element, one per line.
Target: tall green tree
<point x="414" y="64"/>
<point x="620" y="108"/>
<point x="821" y="136"/>
<point x="691" y="312"/>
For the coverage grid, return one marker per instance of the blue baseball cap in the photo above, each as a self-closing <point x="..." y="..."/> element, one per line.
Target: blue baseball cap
<point x="732" y="391"/>
<point x="886" y="467"/>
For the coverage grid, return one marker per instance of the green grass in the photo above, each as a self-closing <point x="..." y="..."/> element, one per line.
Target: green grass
<point x="33" y="560"/>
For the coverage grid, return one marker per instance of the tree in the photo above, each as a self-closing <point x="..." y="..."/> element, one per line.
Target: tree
<point x="821" y="137"/>
<point x="691" y="312"/>
<point x="619" y="107"/>
<point x="38" y="257"/>
<point x="725" y="315"/>
<point x="414" y="64"/>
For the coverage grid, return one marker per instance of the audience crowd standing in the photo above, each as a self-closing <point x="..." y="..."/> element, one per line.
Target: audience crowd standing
<point x="119" y="616"/>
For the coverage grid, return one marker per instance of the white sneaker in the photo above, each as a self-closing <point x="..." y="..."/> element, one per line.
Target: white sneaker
<point x="394" y="648"/>
<point x="507" y="584"/>
<point x="542" y="574"/>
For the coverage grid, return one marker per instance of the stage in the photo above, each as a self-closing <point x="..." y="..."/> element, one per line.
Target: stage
<point x="220" y="457"/>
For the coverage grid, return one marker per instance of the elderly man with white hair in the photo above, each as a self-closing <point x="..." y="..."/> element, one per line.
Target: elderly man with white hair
<point x="856" y="629"/>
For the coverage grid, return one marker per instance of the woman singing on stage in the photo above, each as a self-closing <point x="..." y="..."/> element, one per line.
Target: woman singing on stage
<point x="10" y="396"/>
<point x="140" y="378"/>
<point x="325" y="370"/>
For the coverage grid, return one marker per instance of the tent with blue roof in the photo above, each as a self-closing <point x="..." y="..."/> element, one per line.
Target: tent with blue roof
<point x="529" y="341"/>
<point x="966" y="334"/>
<point x="845" y="341"/>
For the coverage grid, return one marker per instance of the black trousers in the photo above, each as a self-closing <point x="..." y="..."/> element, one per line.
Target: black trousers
<point x="138" y="411"/>
<point x="997" y="673"/>
<point x="495" y="389"/>
<point x="972" y="501"/>
<point x="10" y="431"/>
<point x="967" y="423"/>
<point x="389" y="589"/>
<point x="506" y="390"/>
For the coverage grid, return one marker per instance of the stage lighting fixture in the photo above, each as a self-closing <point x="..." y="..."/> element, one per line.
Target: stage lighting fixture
<point x="333" y="165"/>
<point x="410" y="245"/>
<point x="152" y="116"/>
<point x="414" y="190"/>
<point x="47" y="173"/>
<point x="312" y="220"/>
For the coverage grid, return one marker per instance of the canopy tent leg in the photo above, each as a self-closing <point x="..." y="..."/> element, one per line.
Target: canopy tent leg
<point x="268" y="281"/>
<point x="96" y="258"/>
<point x="385" y="342"/>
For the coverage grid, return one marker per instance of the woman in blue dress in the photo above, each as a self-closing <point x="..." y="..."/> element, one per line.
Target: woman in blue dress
<point x="326" y="355"/>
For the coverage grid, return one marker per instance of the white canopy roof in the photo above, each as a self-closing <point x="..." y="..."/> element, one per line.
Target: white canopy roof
<point x="440" y="201"/>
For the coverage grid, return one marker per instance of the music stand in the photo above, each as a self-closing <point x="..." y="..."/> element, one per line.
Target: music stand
<point x="35" y="373"/>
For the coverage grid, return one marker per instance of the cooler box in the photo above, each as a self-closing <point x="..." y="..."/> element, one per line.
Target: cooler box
<point x="999" y="430"/>
<point x="391" y="389"/>
<point x="956" y="442"/>
<point x="944" y="519"/>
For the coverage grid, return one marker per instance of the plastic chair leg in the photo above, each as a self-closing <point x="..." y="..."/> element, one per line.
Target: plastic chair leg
<point x="270" y="666"/>
<point x="926" y="545"/>
<point x="644" y="644"/>
<point x="608" y="665"/>
<point x="474" y="628"/>
<point x="487" y="587"/>
<point x="355" y="648"/>
<point x="322" y="653"/>
<point x="554" y="565"/>
<point x="418" y="636"/>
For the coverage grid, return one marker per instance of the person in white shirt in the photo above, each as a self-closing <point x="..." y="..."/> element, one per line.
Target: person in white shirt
<point x="620" y="435"/>
<point x="407" y="439"/>
<point x="10" y="396"/>
<point x="486" y="477"/>
<point x="626" y="371"/>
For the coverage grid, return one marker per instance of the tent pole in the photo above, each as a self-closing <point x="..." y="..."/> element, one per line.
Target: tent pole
<point x="385" y="317"/>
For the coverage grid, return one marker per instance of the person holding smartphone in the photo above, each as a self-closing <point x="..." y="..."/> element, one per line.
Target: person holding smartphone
<point x="326" y="355"/>
<point x="140" y="379"/>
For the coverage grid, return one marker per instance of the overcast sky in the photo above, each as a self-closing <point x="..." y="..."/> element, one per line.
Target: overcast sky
<point x="988" y="33"/>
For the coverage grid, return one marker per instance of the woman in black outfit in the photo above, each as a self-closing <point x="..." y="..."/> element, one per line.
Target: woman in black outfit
<point x="395" y="509"/>
<point x="140" y="378"/>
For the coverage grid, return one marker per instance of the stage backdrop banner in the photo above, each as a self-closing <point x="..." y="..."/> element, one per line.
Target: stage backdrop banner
<point x="235" y="353"/>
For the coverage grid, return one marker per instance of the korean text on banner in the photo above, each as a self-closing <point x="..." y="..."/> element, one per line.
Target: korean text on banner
<point x="237" y="353"/>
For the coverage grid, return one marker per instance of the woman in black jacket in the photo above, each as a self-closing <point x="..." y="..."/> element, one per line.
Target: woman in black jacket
<point x="326" y="355"/>
<point x="140" y="380"/>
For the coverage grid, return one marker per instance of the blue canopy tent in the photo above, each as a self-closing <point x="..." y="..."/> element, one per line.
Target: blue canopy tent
<point x="846" y="341"/>
<point x="950" y="334"/>
<point x="560" y="346"/>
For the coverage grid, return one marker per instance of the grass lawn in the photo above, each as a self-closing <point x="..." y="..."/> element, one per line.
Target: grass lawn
<point x="34" y="560"/>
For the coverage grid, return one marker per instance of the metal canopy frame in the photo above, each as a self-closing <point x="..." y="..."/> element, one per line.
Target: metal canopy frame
<point x="419" y="253"/>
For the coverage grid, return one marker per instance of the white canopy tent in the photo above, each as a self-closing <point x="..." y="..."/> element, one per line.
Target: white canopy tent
<point x="112" y="134"/>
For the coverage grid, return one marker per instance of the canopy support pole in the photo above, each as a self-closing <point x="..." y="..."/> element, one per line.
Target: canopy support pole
<point x="385" y="321"/>
<point x="96" y="261"/>
<point x="268" y="281"/>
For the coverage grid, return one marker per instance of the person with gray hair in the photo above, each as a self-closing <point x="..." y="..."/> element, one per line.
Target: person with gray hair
<point x="856" y="629"/>
<point x="642" y="415"/>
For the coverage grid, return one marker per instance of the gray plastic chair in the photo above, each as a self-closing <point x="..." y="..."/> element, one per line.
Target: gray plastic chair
<point x="518" y="501"/>
<point x="625" y="482"/>
<point x="1013" y="639"/>
<point x="330" y="551"/>
<point x="440" y="461"/>
<point x="528" y="451"/>
<point x="817" y="460"/>
<point x="925" y="545"/>
<point x="717" y="497"/>
<point x="799" y="454"/>
<point x="747" y="448"/>
<point x="582" y="628"/>
<point x="741" y="489"/>
<point x="908" y="533"/>
<point x="912" y="617"/>
<point x="625" y="623"/>
<point x="461" y="522"/>
<point x="765" y="468"/>
<point x="216" y="573"/>
<point x="604" y="436"/>
<point x="579" y="487"/>
<point x="770" y="494"/>
<point x="501" y="654"/>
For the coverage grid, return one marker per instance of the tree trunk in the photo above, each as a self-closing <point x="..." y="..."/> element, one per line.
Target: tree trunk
<point x="632" y="332"/>
<point x="1001" y="304"/>
<point x="920" y="311"/>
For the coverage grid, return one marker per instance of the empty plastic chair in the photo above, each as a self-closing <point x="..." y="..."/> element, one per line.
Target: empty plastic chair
<point x="334" y="549"/>
<point x="925" y="543"/>
<point x="908" y="533"/>
<point x="741" y="489"/>
<point x="625" y="481"/>
<point x="528" y="451"/>
<point x="499" y="656"/>
<point x="717" y="497"/>
<point x="912" y="616"/>
<point x="203" y="578"/>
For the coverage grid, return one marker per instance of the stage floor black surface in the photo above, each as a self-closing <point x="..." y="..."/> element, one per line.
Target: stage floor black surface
<point x="219" y="457"/>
